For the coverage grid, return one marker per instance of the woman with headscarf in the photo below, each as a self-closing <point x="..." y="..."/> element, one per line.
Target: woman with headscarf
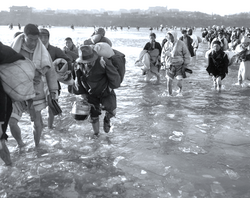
<point x="175" y="57"/>
<point x="217" y="64"/>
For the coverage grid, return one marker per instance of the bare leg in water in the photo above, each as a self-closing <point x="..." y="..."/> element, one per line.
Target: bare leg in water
<point x="5" y="153"/>
<point x="16" y="131"/>
<point x="96" y="125"/>
<point x="179" y="84"/>
<point x="50" y="119"/>
<point x="37" y="128"/>
<point x="170" y="86"/>
<point x="218" y="80"/>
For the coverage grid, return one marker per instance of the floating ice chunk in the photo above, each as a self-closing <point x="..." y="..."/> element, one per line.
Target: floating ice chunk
<point x="53" y="187"/>
<point x="178" y="134"/>
<point x="197" y="150"/>
<point x="117" y="160"/>
<point x="123" y="178"/>
<point x="192" y="149"/>
<point x="208" y="176"/>
<point x="166" y="170"/>
<point x="185" y="150"/>
<point x="194" y="116"/>
<point x="3" y="194"/>
<point x="179" y="94"/>
<point x="174" y="138"/>
<point x="143" y="172"/>
<point x="46" y="154"/>
<point x="164" y="94"/>
<point x="232" y="175"/>
<point x="171" y="115"/>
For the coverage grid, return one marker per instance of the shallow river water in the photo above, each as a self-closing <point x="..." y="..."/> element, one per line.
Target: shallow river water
<point x="193" y="146"/>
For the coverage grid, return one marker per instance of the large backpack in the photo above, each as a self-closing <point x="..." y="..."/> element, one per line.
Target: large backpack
<point x="119" y="61"/>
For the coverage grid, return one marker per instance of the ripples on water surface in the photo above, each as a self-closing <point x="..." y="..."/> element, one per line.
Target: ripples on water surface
<point x="191" y="146"/>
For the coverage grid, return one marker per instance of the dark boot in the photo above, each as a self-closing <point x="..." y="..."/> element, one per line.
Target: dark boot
<point x="106" y="122"/>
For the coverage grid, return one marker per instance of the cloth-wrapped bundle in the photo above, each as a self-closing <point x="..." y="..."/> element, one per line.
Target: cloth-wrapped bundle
<point x="17" y="79"/>
<point x="103" y="49"/>
<point x="62" y="71"/>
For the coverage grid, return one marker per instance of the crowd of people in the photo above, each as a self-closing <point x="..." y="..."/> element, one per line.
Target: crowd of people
<point x="91" y="72"/>
<point x="94" y="70"/>
<point x="175" y="55"/>
<point x="227" y="45"/>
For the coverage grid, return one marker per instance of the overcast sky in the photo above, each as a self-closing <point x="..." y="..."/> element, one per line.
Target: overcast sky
<point x="221" y="7"/>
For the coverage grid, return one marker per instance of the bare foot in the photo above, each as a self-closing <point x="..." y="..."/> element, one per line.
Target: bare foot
<point x="21" y="144"/>
<point x="179" y="94"/>
<point x="51" y="127"/>
<point x="157" y="82"/>
<point x="96" y="135"/>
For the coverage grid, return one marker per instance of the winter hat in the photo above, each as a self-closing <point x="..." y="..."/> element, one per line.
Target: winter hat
<point x="87" y="54"/>
<point x="44" y="31"/>
<point x="100" y="31"/>
<point x="217" y="42"/>
<point x="152" y="34"/>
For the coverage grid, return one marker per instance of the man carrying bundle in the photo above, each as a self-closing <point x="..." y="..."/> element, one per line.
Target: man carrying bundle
<point x="96" y="78"/>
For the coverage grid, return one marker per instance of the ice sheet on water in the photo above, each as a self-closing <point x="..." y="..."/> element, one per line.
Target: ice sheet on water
<point x="217" y="188"/>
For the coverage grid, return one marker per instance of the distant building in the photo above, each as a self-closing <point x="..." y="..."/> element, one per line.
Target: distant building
<point x="173" y="10"/>
<point x="49" y="12"/>
<point x="20" y="9"/>
<point x="157" y="9"/>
